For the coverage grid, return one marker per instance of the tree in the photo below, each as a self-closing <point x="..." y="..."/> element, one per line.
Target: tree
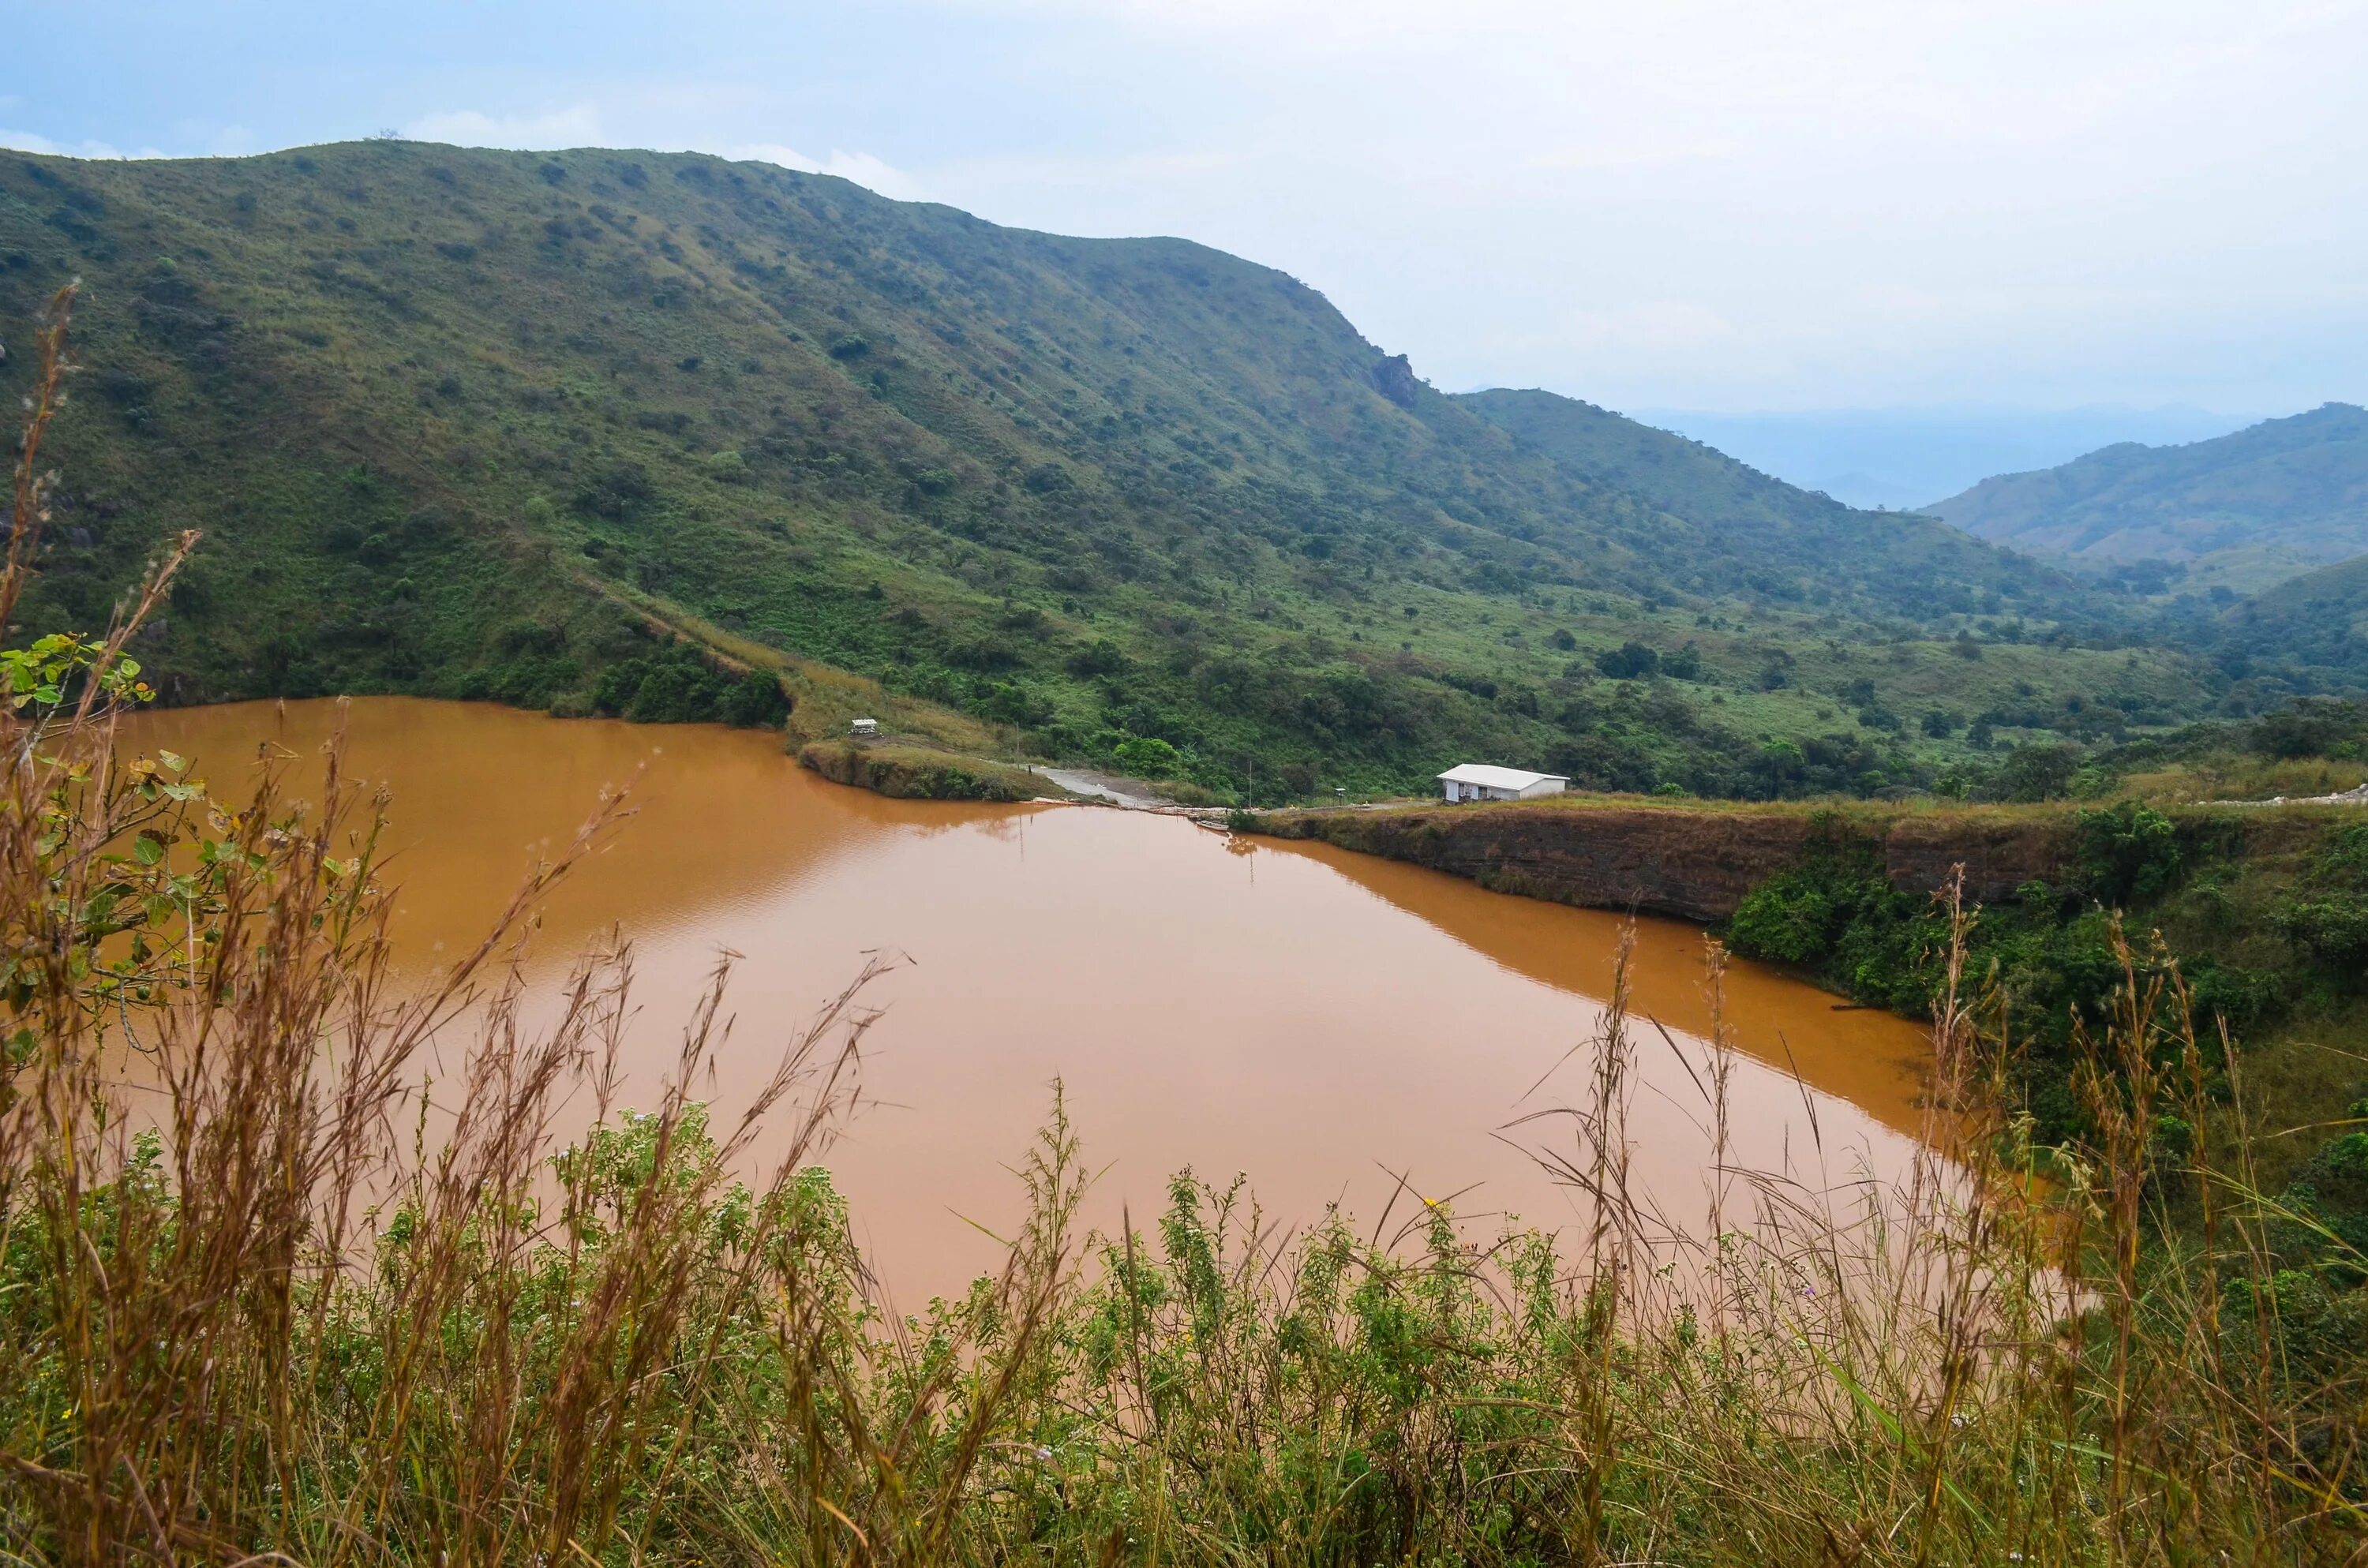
<point x="1630" y="661"/>
<point x="2037" y="772"/>
<point x="1782" y="762"/>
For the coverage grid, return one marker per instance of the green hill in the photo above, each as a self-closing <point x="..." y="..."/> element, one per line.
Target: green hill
<point x="509" y="425"/>
<point x="1899" y="559"/>
<point x="2241" y="511"/>
<point x="2314" y="625"/>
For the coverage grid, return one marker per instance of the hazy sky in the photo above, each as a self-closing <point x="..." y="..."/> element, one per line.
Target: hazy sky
<point x="1698" y="203"/>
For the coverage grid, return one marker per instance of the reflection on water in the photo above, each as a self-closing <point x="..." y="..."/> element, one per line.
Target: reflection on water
<point x="1323" y="1021"/>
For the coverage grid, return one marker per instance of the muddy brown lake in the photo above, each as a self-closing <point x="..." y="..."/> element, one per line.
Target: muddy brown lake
<point x="1328" y="1024"/>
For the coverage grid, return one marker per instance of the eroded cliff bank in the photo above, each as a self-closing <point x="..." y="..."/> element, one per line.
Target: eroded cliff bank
<point x="1694" y="861"/>
<point x="919" y="774"/>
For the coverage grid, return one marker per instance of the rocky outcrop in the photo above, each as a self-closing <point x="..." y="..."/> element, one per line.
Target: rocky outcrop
<point x="1694" y="863"/>
<point x="1393" y="378"/>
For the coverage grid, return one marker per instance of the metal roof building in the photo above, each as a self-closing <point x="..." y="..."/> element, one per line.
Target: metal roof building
<point x="1479" y="781"/>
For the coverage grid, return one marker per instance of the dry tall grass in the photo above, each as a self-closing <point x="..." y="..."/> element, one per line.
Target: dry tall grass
<point x="252" y="1308"/>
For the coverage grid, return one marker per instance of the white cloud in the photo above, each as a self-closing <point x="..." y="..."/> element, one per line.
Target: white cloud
<point x="577" y="125"/>
<point x="33" y="142"/>
<point x="871" y="173"/>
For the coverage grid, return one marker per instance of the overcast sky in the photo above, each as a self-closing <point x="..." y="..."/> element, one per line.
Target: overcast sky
<point x="1718" y="204"/>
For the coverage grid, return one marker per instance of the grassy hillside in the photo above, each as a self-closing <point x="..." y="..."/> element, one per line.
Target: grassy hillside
<point x="2239" y="512"/>
<point x="504" y="424"/>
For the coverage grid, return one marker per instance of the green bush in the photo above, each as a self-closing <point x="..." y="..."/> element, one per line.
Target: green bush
<point x="1797" y="917"/>
<point x="678" y="686"/>
<point x="1630" y="661"/>
<point x="1146" y="756"/>
<point x="2326" y="919"/>
<point x="2331" y="929"/>
<point x="2126" y="853"/>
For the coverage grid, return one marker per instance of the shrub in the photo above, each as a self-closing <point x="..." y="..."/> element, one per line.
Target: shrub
<point x="679" y="686"/>
<point x="2310" y="727"/>
<point x="1099" y="657"/>
<point x="2344" y="862"/>
<point x="2239" y="997"/>
<point x="1148" y="757"/>
<point x="2331" y="928"/>
<point x="617" y="492"/>
<point x="1799" y="916"/>
<point x="1630" y="661"/>
<point x="2126" y="853"/>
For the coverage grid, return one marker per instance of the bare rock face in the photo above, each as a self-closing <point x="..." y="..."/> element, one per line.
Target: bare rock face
<point x="1393" y="378"/>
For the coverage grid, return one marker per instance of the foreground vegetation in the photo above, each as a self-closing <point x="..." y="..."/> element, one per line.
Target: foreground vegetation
<point x="263" y="1298"/>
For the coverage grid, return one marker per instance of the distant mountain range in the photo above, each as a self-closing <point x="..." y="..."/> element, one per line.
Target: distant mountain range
<point x="2243" y="511"/>
<point x="1903" y="457"/>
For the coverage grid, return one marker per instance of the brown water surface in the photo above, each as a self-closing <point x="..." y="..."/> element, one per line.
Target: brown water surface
<point x="1320" y="1020"/>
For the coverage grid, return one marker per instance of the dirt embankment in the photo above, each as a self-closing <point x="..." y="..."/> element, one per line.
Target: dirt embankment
<point x="918" y="773"/>
<point x="1694" y="863"/>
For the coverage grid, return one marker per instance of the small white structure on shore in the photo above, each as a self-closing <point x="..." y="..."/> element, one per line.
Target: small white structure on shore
<point x="1478" y="781"/>
<point x="864" y="727"/>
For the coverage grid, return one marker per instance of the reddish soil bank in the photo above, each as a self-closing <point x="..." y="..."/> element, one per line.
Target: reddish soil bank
<point x="1694" y="863"/>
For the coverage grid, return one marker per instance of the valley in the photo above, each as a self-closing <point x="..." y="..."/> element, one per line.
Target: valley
<point x="604" y="432"/>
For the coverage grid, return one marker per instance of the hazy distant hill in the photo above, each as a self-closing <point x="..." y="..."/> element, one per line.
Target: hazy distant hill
<point x="1903" y="457"/>
<point x="2246" y="509"/>
<point x="470" y="422"/>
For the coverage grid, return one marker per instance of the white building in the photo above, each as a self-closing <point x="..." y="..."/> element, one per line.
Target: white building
<point x="864" y="727"/>
<point x="1478" y="781"/>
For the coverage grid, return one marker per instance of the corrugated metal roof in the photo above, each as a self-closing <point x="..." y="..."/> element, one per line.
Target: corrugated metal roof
<point x="1490" y="777"/>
